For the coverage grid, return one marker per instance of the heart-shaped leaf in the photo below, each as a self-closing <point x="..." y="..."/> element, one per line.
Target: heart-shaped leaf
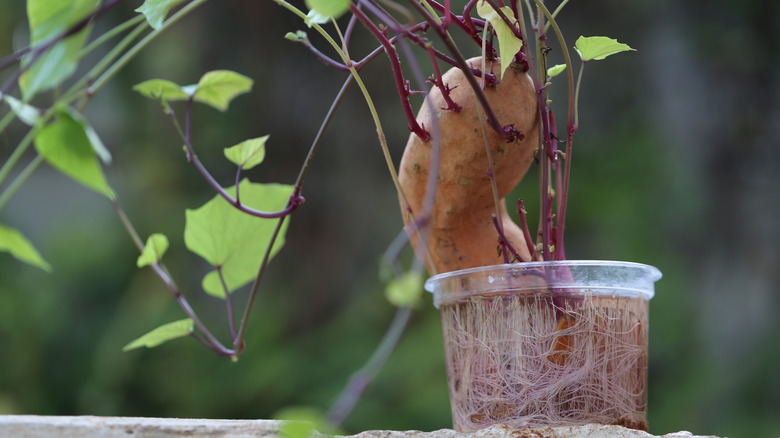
<point x="218" y="88"/>
<point x="162" y="90"/>
<point x="247" y="154"/>
<point x="163" y="333"/>
<point x="233" y="240"/>
<point x="599" y="47"/>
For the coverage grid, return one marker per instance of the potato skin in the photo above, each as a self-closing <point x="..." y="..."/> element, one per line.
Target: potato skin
<point x="461" y="234"/>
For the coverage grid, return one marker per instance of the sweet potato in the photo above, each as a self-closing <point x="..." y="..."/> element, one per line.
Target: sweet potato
<point x="461" y="234"/>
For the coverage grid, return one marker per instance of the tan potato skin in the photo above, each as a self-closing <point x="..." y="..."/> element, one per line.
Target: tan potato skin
<point x="461" y="234"/>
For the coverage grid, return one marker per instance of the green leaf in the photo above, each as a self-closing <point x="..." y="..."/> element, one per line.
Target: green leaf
<point x="94" y="140"/>
<point x="217" y="88"/>
<point x="190" y="90"/>
<point x="303" y="421"/>
<point x="12" y="241"/>
<point x="66" y="146"/>
<point x="555" y="70"/>
<point x="298" y="36"/>
<point x="155" y="11"/>
<point x="233" y="240"/>
<point x="406" y="290"/>
<point x="314" y="17"/>
<point x="161" y="334"/>
<point x="598" y="47"/>
<point x="247" y="154"/>
<point x="328" y="8"/>
<point x="49" y="19"/>
<point x="155" y="247"/>
<point x="26" y="113"/>
<point x="508" y="43"/>
<point x="162" y="90"/>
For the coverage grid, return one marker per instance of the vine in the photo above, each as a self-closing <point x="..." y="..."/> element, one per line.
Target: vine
<point x="258" y="213"/>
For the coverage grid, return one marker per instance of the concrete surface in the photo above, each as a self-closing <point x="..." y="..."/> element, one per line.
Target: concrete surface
<point x="34" y="426"/>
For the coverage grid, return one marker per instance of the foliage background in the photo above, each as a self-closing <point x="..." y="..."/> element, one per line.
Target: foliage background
<point x="676" y="166"/>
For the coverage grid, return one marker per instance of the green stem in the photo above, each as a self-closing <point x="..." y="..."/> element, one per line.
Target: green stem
<point x="108" y="74"/>
<point x="228" y="303"/>
<point x="566" y="57"/>
<point x="77" y="91"/>
<point x="110" y="34"/>
<point x="572" y="125"/>
<point x="488" y="152"/>
<point x="68" y="96"/>
<point x="555" y="14"/>
<point x="7" y="119"/>
<point x="71" y="95"/>
<point x="16" y="155"/>
<point x="542" y="111"/>
<point x="20" y="179"/>
<point x="364" y="91"/>
<point x="577" y="96"/>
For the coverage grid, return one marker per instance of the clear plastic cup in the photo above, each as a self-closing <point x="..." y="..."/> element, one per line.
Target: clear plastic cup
<point x="546" y="343"/>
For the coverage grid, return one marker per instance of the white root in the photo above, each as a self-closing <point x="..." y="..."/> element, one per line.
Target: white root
<point x="523" y="360"/>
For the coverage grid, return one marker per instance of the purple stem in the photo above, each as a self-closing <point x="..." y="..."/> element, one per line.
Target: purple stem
<point x="544" y="175"/>
<point x="325" y="58"/>
<point x="13" y="58"/>
<point x="509" y="133"/>
<point x="228" y="303"/>
<point x="159" y="269"/>
<point x="465" y="22"/>
<point x="490" y="78"/>
<point x="571" y="128"/>
<point x="361" y="378"/>
<point x="395" y="64"/>
<point x="438" y="81"/>
<point x="545" y="224"/>
<point x="292" y="205"/>
<point x="505" y="245"/>
<point x="348" y="31"/>
<point x="185" y="305"/>
<point x="556" y="168"/>
<point x="238" y="343"/>
<point x="524" y="226"/>
<point x="504" y="18"/>
<point x="445" y="24"/>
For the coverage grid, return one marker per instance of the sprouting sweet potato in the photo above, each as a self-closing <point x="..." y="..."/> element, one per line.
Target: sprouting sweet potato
<point x="461" y="233"/>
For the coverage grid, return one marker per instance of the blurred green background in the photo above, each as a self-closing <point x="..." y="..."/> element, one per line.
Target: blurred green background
<point x="676" y="166"/>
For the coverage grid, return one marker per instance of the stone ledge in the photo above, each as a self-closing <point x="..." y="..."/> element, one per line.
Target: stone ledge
<point x="501" y="431"/>
<point x="35" y="426"/>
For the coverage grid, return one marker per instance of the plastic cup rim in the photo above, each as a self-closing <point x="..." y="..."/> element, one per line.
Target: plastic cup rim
<point x="655" y="273"/>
